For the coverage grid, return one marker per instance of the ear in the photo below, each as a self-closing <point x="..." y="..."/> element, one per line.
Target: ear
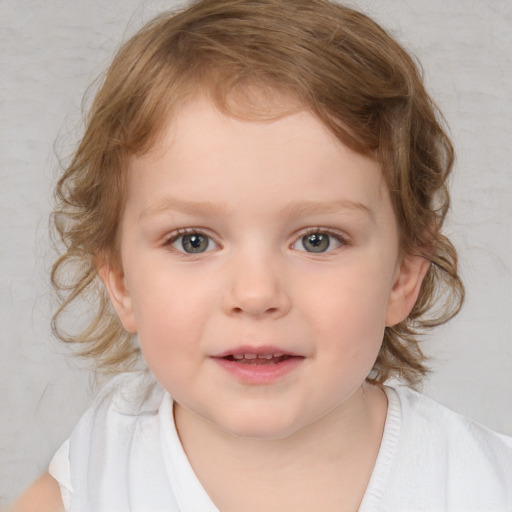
<point x="114" y="281"/>
<point x="406" y="288"/>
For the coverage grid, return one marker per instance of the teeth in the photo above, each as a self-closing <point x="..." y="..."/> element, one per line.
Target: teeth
<point x="257" y="356"/>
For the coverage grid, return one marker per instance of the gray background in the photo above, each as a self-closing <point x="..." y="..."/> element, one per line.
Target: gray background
<point x="52" y="50"/>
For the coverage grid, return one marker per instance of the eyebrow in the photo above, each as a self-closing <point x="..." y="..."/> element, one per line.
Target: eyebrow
<point x="167" y="204"/>
<point x="291" y="210"/>
<point x="302" y="208"/>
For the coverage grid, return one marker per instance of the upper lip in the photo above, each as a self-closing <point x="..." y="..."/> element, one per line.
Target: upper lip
<point x="257" y="350"/>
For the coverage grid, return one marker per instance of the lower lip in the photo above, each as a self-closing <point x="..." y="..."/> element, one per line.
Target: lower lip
<point x="261" y="373"/>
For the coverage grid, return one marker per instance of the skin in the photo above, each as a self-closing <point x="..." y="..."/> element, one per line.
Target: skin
<point x="42" y="496"/>
<point x="255" y="192"/>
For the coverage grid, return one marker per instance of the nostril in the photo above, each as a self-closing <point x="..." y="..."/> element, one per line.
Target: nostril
<point x="269" y="311"/>
<point x="253" y="302"/>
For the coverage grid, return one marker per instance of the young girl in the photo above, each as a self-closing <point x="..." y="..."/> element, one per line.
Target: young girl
<point x="259" y="197"/>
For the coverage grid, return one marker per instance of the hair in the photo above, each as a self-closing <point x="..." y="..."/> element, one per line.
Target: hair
<point x="309" y="54"/>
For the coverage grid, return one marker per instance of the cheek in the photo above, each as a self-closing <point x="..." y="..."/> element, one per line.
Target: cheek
<point x="170" y="316"/>
<point x="168" y="295"/>
<point x="349" y="314"/>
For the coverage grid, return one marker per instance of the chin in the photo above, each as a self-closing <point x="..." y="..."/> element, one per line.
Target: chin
<point x="265" y="427"/>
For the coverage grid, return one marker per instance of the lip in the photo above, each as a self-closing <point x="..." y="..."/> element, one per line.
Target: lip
<point x="258" y="350"/>
<point x="258" y="373"/>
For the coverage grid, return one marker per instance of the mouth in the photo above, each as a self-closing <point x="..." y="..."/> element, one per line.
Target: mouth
<point x="258" y="365"/>
<point x="258" y="359"/>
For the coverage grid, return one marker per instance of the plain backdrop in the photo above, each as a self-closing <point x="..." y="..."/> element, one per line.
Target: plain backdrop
<point x="52" y="50"/>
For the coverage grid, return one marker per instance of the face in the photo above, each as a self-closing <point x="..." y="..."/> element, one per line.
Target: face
<point x="260" y="266"/>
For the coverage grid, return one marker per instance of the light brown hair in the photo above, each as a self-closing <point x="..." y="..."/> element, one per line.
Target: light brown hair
<point x="327" y="58"/>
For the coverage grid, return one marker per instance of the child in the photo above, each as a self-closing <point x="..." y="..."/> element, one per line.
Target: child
<point x="259" y="195"/>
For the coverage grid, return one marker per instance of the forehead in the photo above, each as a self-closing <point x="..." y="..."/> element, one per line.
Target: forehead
<point x="289" y="156"/>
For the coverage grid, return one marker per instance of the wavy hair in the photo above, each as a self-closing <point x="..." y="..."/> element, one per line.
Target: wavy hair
<point x="320" y="56"/>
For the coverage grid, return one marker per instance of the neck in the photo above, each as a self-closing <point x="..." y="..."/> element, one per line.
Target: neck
<point x="338" y="451"/>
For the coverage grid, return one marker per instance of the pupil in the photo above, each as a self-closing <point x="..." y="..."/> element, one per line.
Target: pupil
<point x="317" y="242"/>
<point x="194" y="243"/>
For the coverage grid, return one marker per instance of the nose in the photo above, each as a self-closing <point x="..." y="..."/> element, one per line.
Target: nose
<point x="256" y="288"/>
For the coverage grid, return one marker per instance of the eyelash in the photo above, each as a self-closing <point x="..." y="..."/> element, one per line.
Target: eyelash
<point x="183" y="231"/>
<point x="322" y="231"/>
<point x="179" y="233"/>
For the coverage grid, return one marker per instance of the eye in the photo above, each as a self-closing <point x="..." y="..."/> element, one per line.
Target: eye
<point x="192" y="243"/>
<point x="318" y="241"/>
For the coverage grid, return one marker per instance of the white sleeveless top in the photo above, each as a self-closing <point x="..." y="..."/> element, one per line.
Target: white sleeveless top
<point x="125" y="456"/>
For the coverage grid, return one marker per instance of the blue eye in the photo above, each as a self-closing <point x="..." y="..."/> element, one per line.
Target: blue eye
<point x="193" y="243"/>
<point x="318" y="242"/>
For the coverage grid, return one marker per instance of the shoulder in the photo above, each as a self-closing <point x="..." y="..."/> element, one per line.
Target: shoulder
<point x="121" y="421"/>
<point x="118" y="410"/>
<point x="122" y="401"/>
<point x="445" y="450"/>
<point x="444" y="425"/>
<point x="43" y="496"/>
